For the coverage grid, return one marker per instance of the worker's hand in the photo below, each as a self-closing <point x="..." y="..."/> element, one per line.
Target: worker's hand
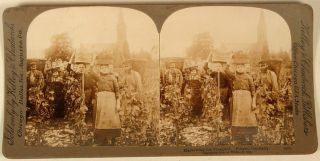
<point x="226" y="66"/>
<point x="231" y="68"/>
<point x="83" y="109"/>
<point x="253" y="106"/>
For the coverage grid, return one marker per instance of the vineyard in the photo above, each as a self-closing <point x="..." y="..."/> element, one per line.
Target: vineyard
<point x="139" y="121"/>
<point x="179" y="128"/>
<point x="147" y="122"/>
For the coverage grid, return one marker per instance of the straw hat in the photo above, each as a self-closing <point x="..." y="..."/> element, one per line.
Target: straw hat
<point x="104" y="59"/>
<point x="216" y="58"/>
<point x="268" y="60"/>
<point x="240" y="58"/>
<point x="134" y="61"/>
<point x="82" y="58"/>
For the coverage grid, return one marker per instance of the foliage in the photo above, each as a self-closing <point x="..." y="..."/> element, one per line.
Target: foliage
<point x="39" y="104"/>
<point x="61" y="48"/>
<point x="43" y="129"/>
<point x="275" y="117"/>
<point x="138" y="113"/>
<point x="172" y="107"/>
<point x="143" y="125"/>
<point x="201" y="47"/>
<point x="179" y="127"/>
<point x="75" y="110"/>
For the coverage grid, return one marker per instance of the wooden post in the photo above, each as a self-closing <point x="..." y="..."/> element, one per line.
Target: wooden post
<point x="82" y="103"/>
<point x="219" y="102"/>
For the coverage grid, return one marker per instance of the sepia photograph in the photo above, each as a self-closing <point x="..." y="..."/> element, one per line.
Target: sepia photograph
<point x="92" y="78"/>
<point x="159" y="79"/>
<point x="104" y="76"/>
<point x="225" y="78"/>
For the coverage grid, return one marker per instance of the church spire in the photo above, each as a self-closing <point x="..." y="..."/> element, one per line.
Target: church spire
<point x="122" y="48"/>
<point x="262" y="43"/>
<point x="121" y="28"/>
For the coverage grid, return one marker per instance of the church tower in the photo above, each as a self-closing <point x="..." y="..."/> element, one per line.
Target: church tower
<point x="122" y="48"/>
<point x="262" y="47"/>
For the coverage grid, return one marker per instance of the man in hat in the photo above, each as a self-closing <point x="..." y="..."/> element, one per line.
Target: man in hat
<point x="244" y="124"/>
<point x="191" y="87"/>
<point x="268" y="78"/>
<point x="54" y="87"/>
<point x="132" y="86"/>
<point x="35" y="84"/>
<point x="87" y="84"/>
<point x="173" y="75"/>
<point x="267" y="95"/>
<point x="35" y="77"/>
<point x="216" y="64"/>
<point x="132" y="78"/>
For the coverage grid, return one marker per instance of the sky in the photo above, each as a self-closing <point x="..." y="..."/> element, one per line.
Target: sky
<point x="228" y="25"/>
<point x="90" y="25"/>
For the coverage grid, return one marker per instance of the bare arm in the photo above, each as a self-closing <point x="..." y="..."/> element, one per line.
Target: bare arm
<point x="93" y="74"/>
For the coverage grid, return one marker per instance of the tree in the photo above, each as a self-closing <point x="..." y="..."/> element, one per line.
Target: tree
<point x="201" y="47"/>
<point x="60" y="48"/>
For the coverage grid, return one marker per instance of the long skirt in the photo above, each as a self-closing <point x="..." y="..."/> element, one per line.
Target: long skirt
<point x="107" y="122"/>
<point x="244" y="120"/>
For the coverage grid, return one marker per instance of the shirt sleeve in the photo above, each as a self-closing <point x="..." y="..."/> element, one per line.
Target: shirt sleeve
<point x="251" y="85"/>
<point x="93" y="74"/>
<point x="116" y="88"/>
<point x="275" y="85"/>
<point x="41" y="80"/>
<point x="139" y="83"/>
<point x="165" y="77"/>
<point x="230" y="75"/>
